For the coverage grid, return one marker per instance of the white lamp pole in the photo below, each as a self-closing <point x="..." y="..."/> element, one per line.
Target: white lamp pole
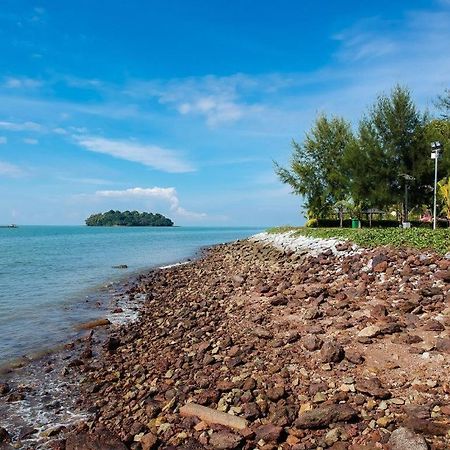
<point x="435" y="148"/>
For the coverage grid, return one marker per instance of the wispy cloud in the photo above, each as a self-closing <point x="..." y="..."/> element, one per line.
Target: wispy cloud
<point x="3" y="140"/>
<point x="30" y="141"/>
<point x="149" y="155"/>
<point x="20" y="126"/>
<point x="167" y="194"/>
<point x="92" y="181"/>
<point x="217" y="99"/>
<point x="10" y="170"/>
<point x="21" y="82"/>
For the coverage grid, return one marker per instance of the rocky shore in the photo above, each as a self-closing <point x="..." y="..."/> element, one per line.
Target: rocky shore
<point x="256" y="346"/>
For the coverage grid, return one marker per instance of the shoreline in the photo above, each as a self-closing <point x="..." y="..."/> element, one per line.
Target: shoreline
<point x="243" y="329"/>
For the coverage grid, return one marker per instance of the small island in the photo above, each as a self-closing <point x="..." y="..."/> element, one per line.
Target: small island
<point x="128" y="219"/>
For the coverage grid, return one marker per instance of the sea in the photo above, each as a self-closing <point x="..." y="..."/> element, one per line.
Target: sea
<point x="53" y="278"/>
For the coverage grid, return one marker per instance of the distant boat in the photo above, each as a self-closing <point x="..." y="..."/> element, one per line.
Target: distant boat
<point x="13" y="225"/>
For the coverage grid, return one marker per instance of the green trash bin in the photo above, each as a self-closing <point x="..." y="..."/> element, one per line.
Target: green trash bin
<point x="355" y="223"/>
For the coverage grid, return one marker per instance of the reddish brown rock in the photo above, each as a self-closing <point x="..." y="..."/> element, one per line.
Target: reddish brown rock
<point x="324" y="415"/>
<point x="372" y="387"/>
<point x="99" y="440"/>
<point x="148" y="441"/>
<point x="225" y="440"/>
<point x="427" y="426"/>
<point x="268" y="432"/>
<point x="312" y="342"/>
<point x="332" y="352"/>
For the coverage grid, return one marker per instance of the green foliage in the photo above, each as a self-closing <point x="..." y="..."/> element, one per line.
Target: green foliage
<point x="443" y="194"/>
<point x="391" y="143"/>
<point x="316" y="171"/>
<point x="337" y="173"/>
<point x="128" y="219"/>
<point x="443" y="103"/>
<point x="439" y="130"/>
<point x="421" y="238"/>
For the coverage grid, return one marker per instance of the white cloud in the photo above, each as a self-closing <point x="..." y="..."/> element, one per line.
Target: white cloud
<point x="60" y="131"/>
<point x="149" y="155"/>
<point x="10" y="170"/>
<point x="30" y="141"/>
<point x="167" y="194"/>
<point x="217" y="99"/>
<point x="20" y="126"/>
<point x="21" y="82"/>
<point x="216" y="109"/>
<point x="3" y="140"/>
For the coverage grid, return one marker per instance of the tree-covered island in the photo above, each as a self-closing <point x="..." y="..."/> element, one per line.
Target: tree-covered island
<point x="128" y="219"/>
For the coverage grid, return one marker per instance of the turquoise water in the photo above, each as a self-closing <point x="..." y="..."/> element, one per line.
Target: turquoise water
<point x="48" y="272"/>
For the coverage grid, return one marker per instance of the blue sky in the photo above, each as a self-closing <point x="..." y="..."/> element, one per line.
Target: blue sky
<point x="181" y="106"/>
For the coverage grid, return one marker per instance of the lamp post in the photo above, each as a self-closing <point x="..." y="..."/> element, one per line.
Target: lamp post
<point x="435" y="149"/>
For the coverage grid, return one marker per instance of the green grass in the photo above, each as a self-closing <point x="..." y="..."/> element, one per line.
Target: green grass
<point x="421" y="238"/>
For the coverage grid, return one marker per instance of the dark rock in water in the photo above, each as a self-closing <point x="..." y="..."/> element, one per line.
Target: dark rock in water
<point x="120" y="266"/>
<point x="15" y="397"/>
<point x="323" y="416"/>
<point x="27" y="432"/>
<point x="112" y="344"/>
<point x="99" y="440"/>
<point x="4" y="388"/>
<point x="404" y="439"/>
<point x="4" y="436"/>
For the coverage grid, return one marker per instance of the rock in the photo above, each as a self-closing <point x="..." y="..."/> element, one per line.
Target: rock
<point x="210" y="415"/>
<point x="148" y="441"/>
<point x="4" y="436"/>
<point x="279" y="300"/>
<point x="98" y="440"/>
<point x="275" y="393"/>
<point x="312" y="342"/>
<point x="372" y="387"/>
<point x="93" y="324"/>
<point x="120" y="266"/>
<point x="404" y="439"/>
<point x="380" y="267"/>
<point x="426" y="426"/>
<point x="433" y="325"/>
<point x="370" y="332"/>
<point x="238" y="280"/>
<point x="353" y="356"/>
<point x="224" y="440"/>
<point x="262" y="333"/>
<point x="26" y="432"/>
<point x="4" y="388"/>
<point x="332" y="352"/>
<point x="443" y="345"/>
<point x="268" y="433"/>
<point x="322" y="417"/>
<point x="112" y="344"/>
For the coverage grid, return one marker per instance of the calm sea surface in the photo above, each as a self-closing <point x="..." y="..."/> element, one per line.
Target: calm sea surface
<point x="47" y="273"/>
